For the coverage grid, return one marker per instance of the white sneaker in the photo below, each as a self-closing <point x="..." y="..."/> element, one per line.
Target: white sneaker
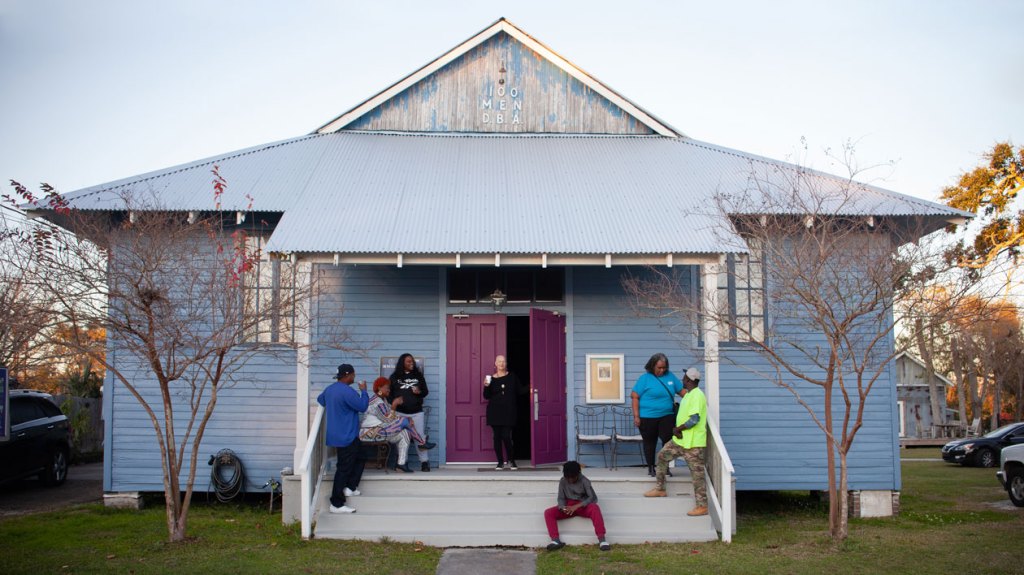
<point x="342" y="509"/>
<point x="350" y="492"/>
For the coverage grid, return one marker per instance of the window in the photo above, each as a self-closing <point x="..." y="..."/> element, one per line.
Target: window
<point x="741" y="287"/>
<point x="268" y="289"/>
<point x="520" y="285"/>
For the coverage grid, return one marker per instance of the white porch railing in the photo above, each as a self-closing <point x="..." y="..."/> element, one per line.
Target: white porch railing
<point x="721" y="483"/>
<point x="311" y="470"/>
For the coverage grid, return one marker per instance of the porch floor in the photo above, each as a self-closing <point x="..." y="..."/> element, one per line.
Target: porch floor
<point x="475" y="506"/>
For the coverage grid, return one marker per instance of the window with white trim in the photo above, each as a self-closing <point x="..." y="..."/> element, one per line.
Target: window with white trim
<point x="268" y="291"/>
<point x="741" y="289"/>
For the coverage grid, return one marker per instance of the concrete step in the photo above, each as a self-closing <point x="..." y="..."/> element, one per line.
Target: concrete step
<point x="466" y="508"/>
<point x="421" y="485"/>
<point x="472" y="504"/>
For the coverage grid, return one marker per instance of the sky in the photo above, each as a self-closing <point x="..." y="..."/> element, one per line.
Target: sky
<point x="95" y="91"/>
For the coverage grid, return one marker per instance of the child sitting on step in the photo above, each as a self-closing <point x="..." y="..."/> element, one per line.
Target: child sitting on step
<point x="576" y="497"/>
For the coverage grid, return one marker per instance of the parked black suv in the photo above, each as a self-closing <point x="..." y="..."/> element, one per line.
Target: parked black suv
<point x="40" y="439"/>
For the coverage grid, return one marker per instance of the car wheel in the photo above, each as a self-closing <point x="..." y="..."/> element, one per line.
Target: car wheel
<point x="1015" y="483"/>
<point x="57" y="469"/>
<point x="986" y="458"/>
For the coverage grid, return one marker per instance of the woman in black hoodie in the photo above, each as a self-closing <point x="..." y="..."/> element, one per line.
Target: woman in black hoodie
<point x="408" y="383"/>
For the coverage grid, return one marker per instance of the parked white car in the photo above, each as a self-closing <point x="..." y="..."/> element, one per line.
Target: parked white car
<point x="1011" y="473"/>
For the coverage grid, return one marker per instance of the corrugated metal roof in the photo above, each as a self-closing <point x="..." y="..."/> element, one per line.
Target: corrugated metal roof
<point x="358" y="192"/>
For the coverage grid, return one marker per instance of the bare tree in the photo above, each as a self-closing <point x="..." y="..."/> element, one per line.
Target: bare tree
<point x="931" y="303"/>
<point x="831" y="271"/>
<point x="179" y="297"/>
<point x="25" y="312"/>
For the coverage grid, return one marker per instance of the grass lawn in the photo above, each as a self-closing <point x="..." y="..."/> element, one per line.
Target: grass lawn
<point x="947" y="524"/>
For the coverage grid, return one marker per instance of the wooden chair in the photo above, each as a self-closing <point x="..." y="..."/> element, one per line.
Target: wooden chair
<point x="593" y="428"/>
<point x="625" y="433"/>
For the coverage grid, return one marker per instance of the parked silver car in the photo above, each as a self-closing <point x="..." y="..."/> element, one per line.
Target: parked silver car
<point x="1011" y="473"/>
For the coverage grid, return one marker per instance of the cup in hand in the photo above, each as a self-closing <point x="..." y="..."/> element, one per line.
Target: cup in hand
<point x="487" y="380"/>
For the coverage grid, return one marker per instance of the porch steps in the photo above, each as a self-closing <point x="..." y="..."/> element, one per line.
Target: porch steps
<point x="464" y="507"/>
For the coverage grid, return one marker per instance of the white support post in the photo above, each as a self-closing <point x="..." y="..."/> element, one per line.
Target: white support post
<point x="709" y="299"/>
<point x="302" y="339"/>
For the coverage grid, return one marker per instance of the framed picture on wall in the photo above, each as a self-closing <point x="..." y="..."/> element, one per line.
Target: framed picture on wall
<point x="606" y="378"/>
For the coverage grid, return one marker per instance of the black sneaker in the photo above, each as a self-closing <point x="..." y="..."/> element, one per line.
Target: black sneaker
<point x="604" y="545"/>
<point x="555" y="545"/>
<point x="425" y="466"/>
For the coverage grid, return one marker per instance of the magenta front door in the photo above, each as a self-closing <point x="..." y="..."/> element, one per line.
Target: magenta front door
<point x="547" y="378"/>
<point x="473" y="343"/>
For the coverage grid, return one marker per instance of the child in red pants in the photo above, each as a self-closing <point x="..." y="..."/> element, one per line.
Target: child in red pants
<point x="576" y="497"/>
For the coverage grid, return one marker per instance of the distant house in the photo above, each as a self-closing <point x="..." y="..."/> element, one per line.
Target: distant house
<point x="913" y="397"/>
<point x="491" y="203"/>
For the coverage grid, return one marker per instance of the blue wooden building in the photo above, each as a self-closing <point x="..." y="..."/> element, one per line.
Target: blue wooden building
<point x="490" y="203"/>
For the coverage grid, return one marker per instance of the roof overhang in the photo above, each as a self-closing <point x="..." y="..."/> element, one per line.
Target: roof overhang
<point x="499" y="260"/>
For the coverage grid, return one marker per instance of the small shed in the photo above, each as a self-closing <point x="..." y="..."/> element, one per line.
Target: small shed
<point x="913" y="400"/>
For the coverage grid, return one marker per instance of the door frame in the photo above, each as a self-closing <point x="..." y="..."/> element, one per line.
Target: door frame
<point x="448" y="310"/>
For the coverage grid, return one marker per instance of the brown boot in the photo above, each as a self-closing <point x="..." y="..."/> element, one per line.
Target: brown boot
<point x="656" y="493"/>
<point x="697" y="511"/>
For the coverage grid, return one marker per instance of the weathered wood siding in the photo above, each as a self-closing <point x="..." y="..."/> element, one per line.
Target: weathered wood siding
<point x="500" y="86"/>
<point x="916" y="398"/>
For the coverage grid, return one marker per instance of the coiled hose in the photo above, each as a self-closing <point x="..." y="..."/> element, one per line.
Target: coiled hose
<point x="227" y="476"/>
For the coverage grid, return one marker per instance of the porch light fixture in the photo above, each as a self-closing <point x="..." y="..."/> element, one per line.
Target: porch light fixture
<point x="498" y="299"/>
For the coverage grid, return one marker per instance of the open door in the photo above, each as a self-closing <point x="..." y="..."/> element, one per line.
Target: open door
<point x="548" y="442"/>
<point x="473" y="343"/>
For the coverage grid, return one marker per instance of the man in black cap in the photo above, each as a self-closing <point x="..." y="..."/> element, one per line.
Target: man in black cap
<point x="343" y="407"/>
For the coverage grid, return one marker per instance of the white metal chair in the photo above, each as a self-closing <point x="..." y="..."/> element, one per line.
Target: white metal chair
<point x="975" y="429"/>
<point x="593" y="428"/>
<point x="625" y="432"/>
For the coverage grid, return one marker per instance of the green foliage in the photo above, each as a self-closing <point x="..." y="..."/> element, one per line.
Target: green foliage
<point x="990" y="191"/>
<point x="83" y="384"/>
<point x="80" y="423"/>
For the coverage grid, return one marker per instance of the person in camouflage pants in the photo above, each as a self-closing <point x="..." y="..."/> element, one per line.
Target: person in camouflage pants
<point x="688" y="441"/>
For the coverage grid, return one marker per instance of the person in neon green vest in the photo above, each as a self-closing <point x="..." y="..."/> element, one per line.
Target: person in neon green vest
<point x="689" y="438"/>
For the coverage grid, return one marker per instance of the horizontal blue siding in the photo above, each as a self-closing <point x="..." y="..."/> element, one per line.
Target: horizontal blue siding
<point x="248" y="419"/>
<point x="387" y="311"/>
<point x="602" y="322"/>
<point x="772" y="440"/>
